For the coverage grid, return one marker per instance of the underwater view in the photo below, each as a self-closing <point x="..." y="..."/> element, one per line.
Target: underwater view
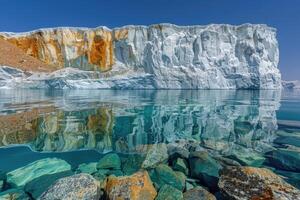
<point x="180" y="137"/>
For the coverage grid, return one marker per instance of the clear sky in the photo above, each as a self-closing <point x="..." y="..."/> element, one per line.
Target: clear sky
<point x="25" y="15"/>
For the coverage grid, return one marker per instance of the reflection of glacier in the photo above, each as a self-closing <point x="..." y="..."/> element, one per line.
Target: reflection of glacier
<point x="231" y="122"/>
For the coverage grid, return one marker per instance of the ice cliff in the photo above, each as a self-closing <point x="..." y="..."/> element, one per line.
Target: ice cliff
<point x="150" y="57"/>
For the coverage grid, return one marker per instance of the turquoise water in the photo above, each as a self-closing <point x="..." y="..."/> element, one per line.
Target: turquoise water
<point x="256" y="128"/>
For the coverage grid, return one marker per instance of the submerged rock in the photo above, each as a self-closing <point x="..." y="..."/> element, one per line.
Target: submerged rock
<point x="254" y="183"/>
<point x="204" y="167"/>
<point x="167" y="192"/>
<point x="158" y="153"/>
<point x="79" y="186"/>
<point x="135" y="187"/>
<point x="181" y="165"/>
<point x="109" y="161"/>
<point x="88" y="168"/>
<point x="176" y="151"/>
<point x="37" y="186"/>
<point x="132" y="163"/>
<point x="14" y="194"/>
<point x="163" y="174"/>
<point x="198" y="193"/>
<point x="23" y="175"/>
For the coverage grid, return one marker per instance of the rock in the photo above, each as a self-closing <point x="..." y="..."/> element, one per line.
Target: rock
<point x="135" y="187"/>
<point x="163" y="174"/>
<point x="79" y="186"/>
<point x="116" y="172"/>
<point x="247" y="158"/>
<point x="216" y="56"/>
<point x="158" y="153"/>
<point x="254" y="183"/>
<point x="198" y="193"/>
<point x="23" y="175"/>
<point x="14" y="194"/>
<point x="204" y="167"/>
<point x="37" y="186"/>
<point x="175" y="151"/>
<point x="188" y="185"/>
<point x="167" y="192"/>
<point x="227" y="161"/>
<point x="101" y="174"/>
<point x="132" y="163"/>
<point x="89" y="168"/>
<point x="109" y="161"/>
<point x="285" y="159"/>
<point x="181" y="165"/>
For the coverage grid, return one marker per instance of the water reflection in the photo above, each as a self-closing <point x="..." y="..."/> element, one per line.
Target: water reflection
<point x="237" y="124"/>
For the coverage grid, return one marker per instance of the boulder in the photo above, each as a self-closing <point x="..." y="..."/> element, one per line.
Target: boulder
<point x="132" y="163"/>
<point x="247" y="157"/>
<point x="254" y="183"/>
<point x="14" y="194"/>
<point x="181" y="165"/>
<point x="198" y="193"/>
<point x="157" y="154"/>
<point x="176" y="151"/>
<point x="88" y="168"/>
<point x="205" y="168"/>
<point x="109" y="161"/>
<point x="167" y="192"/>
<point x="135" y="187"/>
<point x="285" y="159"/>
<point x="79" y="186"/>
<point x="37" y="186"/>
<point x="23" y="175"/>
<point x="163" y="174"/>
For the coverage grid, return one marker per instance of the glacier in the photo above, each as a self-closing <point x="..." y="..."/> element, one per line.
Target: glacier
<point x="160" y="56"/>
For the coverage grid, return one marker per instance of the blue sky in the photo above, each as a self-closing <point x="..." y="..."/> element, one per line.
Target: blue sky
<point x="25" y="15"/>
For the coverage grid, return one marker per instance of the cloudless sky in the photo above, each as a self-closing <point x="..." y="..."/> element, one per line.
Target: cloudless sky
<point x="26" y="15"/>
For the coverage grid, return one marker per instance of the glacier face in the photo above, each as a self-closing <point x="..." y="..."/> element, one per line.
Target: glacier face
<point x="152" y="57"/>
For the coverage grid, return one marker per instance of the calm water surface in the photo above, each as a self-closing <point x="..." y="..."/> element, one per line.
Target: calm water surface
<point x="256" y="128"/>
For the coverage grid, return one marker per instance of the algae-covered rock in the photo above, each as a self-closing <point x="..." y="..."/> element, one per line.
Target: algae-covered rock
<point x="163" y="174"/>
<point x="181" y="165"/>
<point x="157" y="154"/>
<point x="135" y="187"/>
<point x="88" y="168"/>
<point x="132" y="163"/>
<point x="79" y="186"/>
<point x="14" y="194"/>
<point x="37" y="186"/>
<point x="109" y="161"/>
<point x="23" y="175"/>
<point x="254" y="183"/>
<point x="167" y="192"/>
<point x="205" y="168"/>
